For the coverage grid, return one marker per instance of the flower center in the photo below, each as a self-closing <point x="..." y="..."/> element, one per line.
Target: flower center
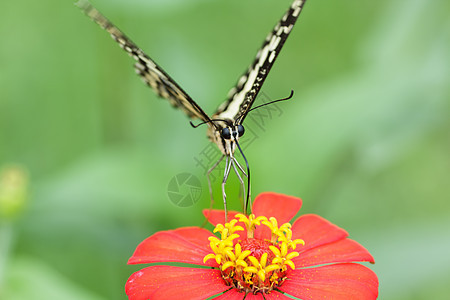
<point x="253" y="265"/>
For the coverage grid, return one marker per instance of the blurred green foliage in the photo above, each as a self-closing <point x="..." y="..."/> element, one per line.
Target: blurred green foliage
<point x="365" y="141"/>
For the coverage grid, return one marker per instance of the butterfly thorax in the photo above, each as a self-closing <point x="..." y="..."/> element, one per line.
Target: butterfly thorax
<point x="225" y="135"/>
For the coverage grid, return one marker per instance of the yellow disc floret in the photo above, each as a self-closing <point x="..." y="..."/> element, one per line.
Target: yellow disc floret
<point x="250" y="264"/>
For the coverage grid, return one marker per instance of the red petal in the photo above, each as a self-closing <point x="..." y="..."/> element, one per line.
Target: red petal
<point x="337" y="282"/>
<point x="216" y="216"/>
<point x="167" y="282"/>
<point x="280" y="206"/>
<point x="194" y="235"/>
<point x="233" y="294"/>
<point x="345" y="250"/>
<point x="276" y="295"/>
<point x="315" y="231"/>
<point x="268" y="204"/>
<point x="186" y="245"/>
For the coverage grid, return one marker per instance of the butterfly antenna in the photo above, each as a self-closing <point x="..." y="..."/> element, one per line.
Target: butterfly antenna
<point x="247" y="200"/>
<point x="195" y="126"/>
<point x="264" y="104"/>
<point x="204" y="122"/>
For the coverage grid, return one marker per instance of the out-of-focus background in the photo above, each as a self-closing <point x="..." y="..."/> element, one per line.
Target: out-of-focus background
<point x="87" y="151"/>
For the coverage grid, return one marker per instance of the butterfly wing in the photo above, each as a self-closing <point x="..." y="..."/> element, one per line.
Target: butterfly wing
<point x="153" y="75"/>
<point x="241" y="97"/>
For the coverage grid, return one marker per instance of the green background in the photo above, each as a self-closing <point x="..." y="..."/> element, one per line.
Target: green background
<point x="365" y="142"/>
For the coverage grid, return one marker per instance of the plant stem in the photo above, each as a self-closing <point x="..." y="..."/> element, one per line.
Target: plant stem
<point x="6" y="237"/>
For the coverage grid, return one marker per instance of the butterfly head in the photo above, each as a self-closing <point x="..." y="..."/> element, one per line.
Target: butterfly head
<point x="232" y="132"/>
<point x="225" y="134"/>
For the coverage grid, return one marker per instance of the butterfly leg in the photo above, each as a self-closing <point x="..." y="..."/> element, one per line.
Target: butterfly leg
<point x="208" y="176"/>
<point x="228" y="163"/>
<point x="242" y="187"/>
<point x="242" y="184"/>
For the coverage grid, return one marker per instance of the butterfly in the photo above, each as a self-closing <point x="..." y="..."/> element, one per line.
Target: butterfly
<point x="225" y="125"/>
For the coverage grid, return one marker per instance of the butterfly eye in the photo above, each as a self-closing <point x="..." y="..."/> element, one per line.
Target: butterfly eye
<point x="240" y="130"/>
<point x="226" y="133"/>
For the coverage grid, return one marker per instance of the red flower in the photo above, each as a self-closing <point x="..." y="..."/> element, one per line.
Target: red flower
<point x="312" y="259"/>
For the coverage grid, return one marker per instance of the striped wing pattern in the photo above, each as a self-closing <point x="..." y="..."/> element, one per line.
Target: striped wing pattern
<point x="225" y="127"/>
<point x="241" y="97"/>
<point x="153" y="75"/>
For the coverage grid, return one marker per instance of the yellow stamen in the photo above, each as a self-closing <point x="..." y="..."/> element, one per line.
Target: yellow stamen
<point x="250" y="222"/>
<point x="243" y="270"/>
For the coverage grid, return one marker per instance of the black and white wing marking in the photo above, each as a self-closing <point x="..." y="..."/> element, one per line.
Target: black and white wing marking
<point x="152" y="74"/>
<point x="241" y="97"/>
